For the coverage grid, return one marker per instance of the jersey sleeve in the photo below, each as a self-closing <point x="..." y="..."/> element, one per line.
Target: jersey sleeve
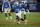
<point x="20" y="5"/>
<point x="3" y="2"/>
<point x="25" y="5"/>
<point x="8" y="2"/>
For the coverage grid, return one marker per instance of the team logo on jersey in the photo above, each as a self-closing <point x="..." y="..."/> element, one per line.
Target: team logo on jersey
<point x="6" y="5"/>
<point x="17" y="9"/>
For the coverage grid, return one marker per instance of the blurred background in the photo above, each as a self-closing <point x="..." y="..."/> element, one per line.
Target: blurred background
<point x="33" y="18"/>
<point x="33" y="5"/>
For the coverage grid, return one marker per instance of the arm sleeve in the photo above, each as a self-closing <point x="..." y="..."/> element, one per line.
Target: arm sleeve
<point x="20" y="5"/>
<point x="3" y="2"/>
<point x="8" y="2"/>
<point x="25" y="6"/>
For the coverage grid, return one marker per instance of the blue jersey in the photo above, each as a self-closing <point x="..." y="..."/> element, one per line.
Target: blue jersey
<point x="16" y="8"/>
<point x="23" y="6"/>
<point x="6" y="4"/>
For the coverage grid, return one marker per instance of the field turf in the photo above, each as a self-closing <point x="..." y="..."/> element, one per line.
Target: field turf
<point x="34" y="18"/>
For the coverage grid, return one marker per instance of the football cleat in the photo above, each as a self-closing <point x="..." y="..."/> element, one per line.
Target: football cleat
<point x="25" y="21"/>
<point x="18" y="22"/>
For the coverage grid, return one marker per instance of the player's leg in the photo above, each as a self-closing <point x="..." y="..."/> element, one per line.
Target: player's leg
<point x="17" y="18"/>
<point x="5" y="11"/>
<point x="22" y="19"/>
<point x="20" y="16"/>
<point x="6" y="15"/>
<point x="17" y="14"/>
<point x="9" y="13"/>
<point x="25" y="17"/>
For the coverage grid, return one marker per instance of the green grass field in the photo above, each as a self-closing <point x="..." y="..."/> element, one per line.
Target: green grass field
<point x="31" y="17"/>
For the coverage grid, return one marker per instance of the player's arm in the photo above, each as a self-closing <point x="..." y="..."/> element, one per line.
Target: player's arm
<point x="2" y="7"/>
<point x="9" y="6"/>
<point x="27" y="8"/>
<point x="20" y="5"/>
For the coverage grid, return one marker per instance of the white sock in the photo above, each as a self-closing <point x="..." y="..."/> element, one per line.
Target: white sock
<point x="14" y="20"/>
<point x="10" y="17"/>
<point x="25" y="21"/>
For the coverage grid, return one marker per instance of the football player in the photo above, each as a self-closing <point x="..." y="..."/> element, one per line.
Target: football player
<point x="17" y="11"/>
<point x="6" y="8"/>
<point x="23" y="6"/>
